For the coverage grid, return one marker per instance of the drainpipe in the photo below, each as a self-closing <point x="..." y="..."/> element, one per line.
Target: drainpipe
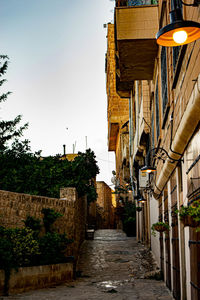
<point x="183" y="134"/>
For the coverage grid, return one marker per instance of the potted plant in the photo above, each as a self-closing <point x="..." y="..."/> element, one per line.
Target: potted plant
<point x="138" y="208"/>
<point x="190" y="215"/>
<point x="160" y="227"/>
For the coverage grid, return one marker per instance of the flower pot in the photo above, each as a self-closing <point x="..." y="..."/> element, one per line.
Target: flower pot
<point x="160" y="228"/>
<point x="189" y="221"/>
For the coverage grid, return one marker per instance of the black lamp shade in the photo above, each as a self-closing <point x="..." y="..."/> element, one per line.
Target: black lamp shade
<point x="148" y="169"/>
<point x="191" y="29"/>
<point x="142" y="200"/>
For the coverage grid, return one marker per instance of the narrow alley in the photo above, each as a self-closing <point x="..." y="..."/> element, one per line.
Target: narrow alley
<point x="112" y="266"/>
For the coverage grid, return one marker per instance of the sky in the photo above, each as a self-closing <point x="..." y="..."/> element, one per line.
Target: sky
<point x="56" y="74"/>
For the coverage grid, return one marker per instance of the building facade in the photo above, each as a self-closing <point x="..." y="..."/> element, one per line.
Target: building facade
<point x="162" y="85"/>
<point x="104" y="206"/>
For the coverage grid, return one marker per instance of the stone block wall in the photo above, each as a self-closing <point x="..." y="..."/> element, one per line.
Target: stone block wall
<point x="15" y="207"/>
<point x="77" y="215"/>
<point x="37" y="277"/>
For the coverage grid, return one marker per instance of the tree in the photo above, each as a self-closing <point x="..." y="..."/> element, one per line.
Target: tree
<point x="8" y="129"/>
<point x="26" y="172"/>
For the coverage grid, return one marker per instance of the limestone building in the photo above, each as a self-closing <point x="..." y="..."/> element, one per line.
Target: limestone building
<point x="104" y="206"/>
<point x="162" y="88"/>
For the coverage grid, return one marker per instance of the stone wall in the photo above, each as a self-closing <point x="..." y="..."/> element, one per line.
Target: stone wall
<point x="15" y="207"/>
<point x="37" y="277"/>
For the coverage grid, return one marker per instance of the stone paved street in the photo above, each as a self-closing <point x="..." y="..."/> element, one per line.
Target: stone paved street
<point x="111" y="266"/>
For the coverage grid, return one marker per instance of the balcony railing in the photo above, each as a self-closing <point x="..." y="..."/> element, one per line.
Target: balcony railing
<point x="126" y="3"/>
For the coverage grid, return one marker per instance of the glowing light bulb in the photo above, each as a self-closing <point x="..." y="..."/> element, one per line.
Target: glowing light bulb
<point x="180" y="36"/>
<point x="149" y="171"/>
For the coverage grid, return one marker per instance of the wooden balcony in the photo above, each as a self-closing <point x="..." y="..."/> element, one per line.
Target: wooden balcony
<point x="135" y="28"/>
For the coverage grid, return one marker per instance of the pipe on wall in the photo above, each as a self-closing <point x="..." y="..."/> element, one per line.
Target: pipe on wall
<point x="187" y="126"/>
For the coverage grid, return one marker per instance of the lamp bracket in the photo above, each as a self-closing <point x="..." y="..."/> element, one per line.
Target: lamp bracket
<point x="162" y="154"/>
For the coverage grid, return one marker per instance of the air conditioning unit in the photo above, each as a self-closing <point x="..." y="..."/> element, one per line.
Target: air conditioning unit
<point x="143" y="179"/>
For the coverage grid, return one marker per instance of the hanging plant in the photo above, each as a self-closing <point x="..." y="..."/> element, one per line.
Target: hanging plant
<point x="160" y="227"/>
<point x="190" y="215"/>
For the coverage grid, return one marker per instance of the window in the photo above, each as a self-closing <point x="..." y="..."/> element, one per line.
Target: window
<point x="157" y="111"/>
<point x="176" y="50"/>
<point x="152" y="130"/>
<point x="164" y="79"/>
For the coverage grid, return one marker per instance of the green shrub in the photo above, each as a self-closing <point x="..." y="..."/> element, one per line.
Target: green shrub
<point x="17" y="248"/>
<point x="24" y="245"/>
<point x="50" y="216"/>
<point x="52" y="248"/>
<point x="34" y="224"/>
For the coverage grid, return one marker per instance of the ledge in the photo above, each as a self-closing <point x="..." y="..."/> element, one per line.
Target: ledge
<point x="37" y="277"/>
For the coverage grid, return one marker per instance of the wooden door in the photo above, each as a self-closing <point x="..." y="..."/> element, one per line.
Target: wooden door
<point x="161" y="238"/>
<point x="194" y="244"/>
<point x="175" y="241"/>
<point x="167" y="244"/>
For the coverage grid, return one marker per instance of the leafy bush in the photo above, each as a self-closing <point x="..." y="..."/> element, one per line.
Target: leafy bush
<point x="24" y="245"/>
<point x="17" y="248"/>
<point x="33" y="224"/>
<point x="25" y="172"/>
<point x="52" y="248"/>
<point x="50" y="216"/>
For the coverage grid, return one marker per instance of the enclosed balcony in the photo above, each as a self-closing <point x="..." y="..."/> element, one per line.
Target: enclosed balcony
<point x="113" y="129"/>
<point x="135" y="31"/>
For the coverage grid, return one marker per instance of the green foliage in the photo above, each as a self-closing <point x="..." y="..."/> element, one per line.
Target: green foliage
<point x="91" y="193"/>
<point x="8" y="129"/>
<point x="7" y="261"/>
<point x="33" y="224"/>
<point x="129" y="218"/>
<point x="21" y="247"/>
<point x="160" y="227"/>
<point x="24" y="172"/>
<point x="25" y="247"/>
<point x="184" y="211"/>
<point x="52" y="248"/>
<point x="6" y="250"/>
<point x="17" y="248"/>
<point x="50" y="216"/>
<point x="193" y="211"/>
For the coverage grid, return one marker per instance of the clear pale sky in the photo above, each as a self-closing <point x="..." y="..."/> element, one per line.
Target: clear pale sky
<point x="57" y="74"/>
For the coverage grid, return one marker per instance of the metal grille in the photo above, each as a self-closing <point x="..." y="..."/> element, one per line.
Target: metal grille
<point x="164" y="79"/>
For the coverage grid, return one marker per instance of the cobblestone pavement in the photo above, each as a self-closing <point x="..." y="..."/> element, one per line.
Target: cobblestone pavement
<point x="112" y="266"/>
